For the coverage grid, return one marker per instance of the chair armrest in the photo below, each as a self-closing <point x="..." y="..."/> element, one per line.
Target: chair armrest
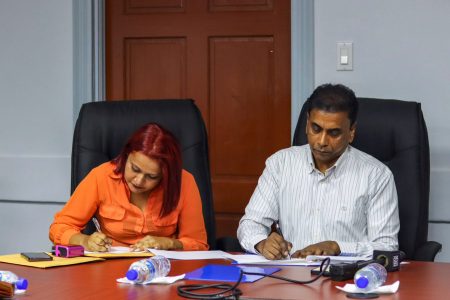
<point x="427" y="251"/>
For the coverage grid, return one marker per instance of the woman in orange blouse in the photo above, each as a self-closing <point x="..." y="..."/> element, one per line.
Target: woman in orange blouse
<point x="142" y="198"/>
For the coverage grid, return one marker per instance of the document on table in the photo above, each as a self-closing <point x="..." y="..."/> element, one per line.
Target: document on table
<point x="310" y="260"/>
<point x="118" y="251"/>
<point x="255" y="259"/>
<point x="338" y="259"/>
<point x="190" y="255"/>
<point x="17" y="259"/>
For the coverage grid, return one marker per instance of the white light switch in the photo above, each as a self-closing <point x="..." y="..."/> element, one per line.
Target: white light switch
<point x="344" y="56"/>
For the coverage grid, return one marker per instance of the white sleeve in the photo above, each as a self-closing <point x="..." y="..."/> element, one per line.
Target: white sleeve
<point x="262" y="209"/>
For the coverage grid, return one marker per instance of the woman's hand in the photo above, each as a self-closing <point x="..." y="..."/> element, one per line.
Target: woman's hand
<point x="96" y="242"/>
<point x="156" y="242"/>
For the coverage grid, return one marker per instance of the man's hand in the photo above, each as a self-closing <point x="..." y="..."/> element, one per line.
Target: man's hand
<point x="156" y="242"/>
<point x="274" y="247"/>
<point x="322" y="248"/>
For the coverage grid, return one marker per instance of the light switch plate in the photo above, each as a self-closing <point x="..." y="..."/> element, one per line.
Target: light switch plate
<point x="344" y="56"/>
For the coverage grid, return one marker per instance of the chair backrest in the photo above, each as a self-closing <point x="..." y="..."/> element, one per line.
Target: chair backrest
<point x="102" y="129"/>
<point x="394" y="132"/>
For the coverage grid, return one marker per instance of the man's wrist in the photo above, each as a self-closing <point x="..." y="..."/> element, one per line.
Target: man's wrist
<point x="335" y="247"/>
<point x="260" y="246"/>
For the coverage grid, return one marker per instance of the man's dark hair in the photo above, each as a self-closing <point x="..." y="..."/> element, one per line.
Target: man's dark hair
<point x="334" y="98"/>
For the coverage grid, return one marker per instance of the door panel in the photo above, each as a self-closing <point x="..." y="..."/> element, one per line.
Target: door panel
<point x="241" y="104"/>
<point x="232" y="57"/>
<point x="151" y="63"/>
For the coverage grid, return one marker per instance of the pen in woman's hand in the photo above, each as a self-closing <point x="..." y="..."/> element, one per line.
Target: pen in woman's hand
<point x="278" y="229"/>
<point x="97" y="224"/>
<point x="97" y="227"/>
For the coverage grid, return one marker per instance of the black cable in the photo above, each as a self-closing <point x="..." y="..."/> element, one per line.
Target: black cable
<point x="227" y="290"/>
<point x="231" y="291"/>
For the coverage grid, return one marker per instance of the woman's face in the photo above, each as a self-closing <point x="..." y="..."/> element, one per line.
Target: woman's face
<point x="142" y="174"/>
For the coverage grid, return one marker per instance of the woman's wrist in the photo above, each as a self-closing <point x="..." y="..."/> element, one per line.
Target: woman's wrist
<point x="176" y="245"/>
<point x="79" y="239"/>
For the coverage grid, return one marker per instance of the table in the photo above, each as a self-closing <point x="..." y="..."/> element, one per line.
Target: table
<point x="97" y="280"/>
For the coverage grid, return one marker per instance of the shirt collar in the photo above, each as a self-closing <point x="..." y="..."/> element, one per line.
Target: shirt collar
<point x="310" y="160"/>
<point x="339" y="165"/>
<point x="335" y="168"/>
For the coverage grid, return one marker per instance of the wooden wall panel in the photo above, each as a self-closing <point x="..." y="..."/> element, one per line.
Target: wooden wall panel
<point x="152" y="62"/>
<point x="153" y="6"/>
<point x="241" y="98"/>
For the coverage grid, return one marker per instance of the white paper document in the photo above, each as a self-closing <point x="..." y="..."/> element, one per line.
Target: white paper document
<point x="190" y="255"/>
<point x="337" y="259"/>
<point x="115" y="249"/>
<point x="255" y="259"/>
<point x="310" y="260"/>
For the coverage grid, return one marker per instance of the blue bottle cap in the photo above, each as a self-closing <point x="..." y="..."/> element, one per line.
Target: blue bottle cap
<point x="362" y="282"/>
<point x="21" y="284"/>
<point x="132" y="275"/>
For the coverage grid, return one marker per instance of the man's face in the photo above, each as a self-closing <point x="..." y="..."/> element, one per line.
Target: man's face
<point x="329" y="134"/>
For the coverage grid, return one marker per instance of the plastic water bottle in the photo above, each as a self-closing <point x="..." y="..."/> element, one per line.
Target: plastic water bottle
<point x="145" y="270"/>
<point x="10" y="277"/>
<point x="370" y="277"/>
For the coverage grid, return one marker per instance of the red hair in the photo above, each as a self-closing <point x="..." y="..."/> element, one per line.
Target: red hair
<point x="159" y="144"/>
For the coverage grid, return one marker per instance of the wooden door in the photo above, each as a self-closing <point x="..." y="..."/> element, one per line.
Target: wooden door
<point x="232" y="57"/>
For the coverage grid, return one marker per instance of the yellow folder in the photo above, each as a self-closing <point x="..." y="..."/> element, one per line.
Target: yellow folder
<point x="17" y="259"/>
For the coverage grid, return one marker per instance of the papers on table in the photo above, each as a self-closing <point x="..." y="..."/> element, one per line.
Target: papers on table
<point x="118" y="251"/>
<point x="190" y="255"/>
<point x="252" y="259"/>
<point x="310" y="260"/>
<point x="337" y="259"/>
<point x="17" y="259"/>
<point x="113" y="249"/>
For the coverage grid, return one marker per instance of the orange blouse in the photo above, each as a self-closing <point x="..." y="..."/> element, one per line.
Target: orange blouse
<point x="104" y="194"/>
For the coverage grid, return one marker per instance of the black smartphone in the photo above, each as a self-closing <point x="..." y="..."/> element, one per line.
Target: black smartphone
<point x="36" y="256"/>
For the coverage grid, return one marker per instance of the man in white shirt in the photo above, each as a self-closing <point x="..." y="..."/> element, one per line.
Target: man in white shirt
<point x="328" y="197"/>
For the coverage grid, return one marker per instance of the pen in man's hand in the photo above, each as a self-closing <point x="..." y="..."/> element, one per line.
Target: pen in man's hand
<point x="278" y="229"/>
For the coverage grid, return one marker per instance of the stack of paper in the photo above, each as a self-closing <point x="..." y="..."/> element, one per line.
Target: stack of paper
<point x="252" y="259"/>
<point x="190" y="255"/>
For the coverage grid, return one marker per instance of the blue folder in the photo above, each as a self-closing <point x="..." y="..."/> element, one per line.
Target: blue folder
<point x="228" y="273"/>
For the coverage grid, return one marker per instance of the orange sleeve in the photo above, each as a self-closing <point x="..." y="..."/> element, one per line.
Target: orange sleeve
<point x="191" y="226"/>
<point x="77" y="212"/>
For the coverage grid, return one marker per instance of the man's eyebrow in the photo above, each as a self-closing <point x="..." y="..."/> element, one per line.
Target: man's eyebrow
<point x="334" y="129"/>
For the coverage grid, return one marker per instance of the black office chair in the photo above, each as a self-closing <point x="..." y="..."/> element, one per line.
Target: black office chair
<point x="102" y="129"/>
<point x="395" y="133"/>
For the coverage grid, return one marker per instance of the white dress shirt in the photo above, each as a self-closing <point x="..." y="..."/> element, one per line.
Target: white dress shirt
<point x="354" y="203"/>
